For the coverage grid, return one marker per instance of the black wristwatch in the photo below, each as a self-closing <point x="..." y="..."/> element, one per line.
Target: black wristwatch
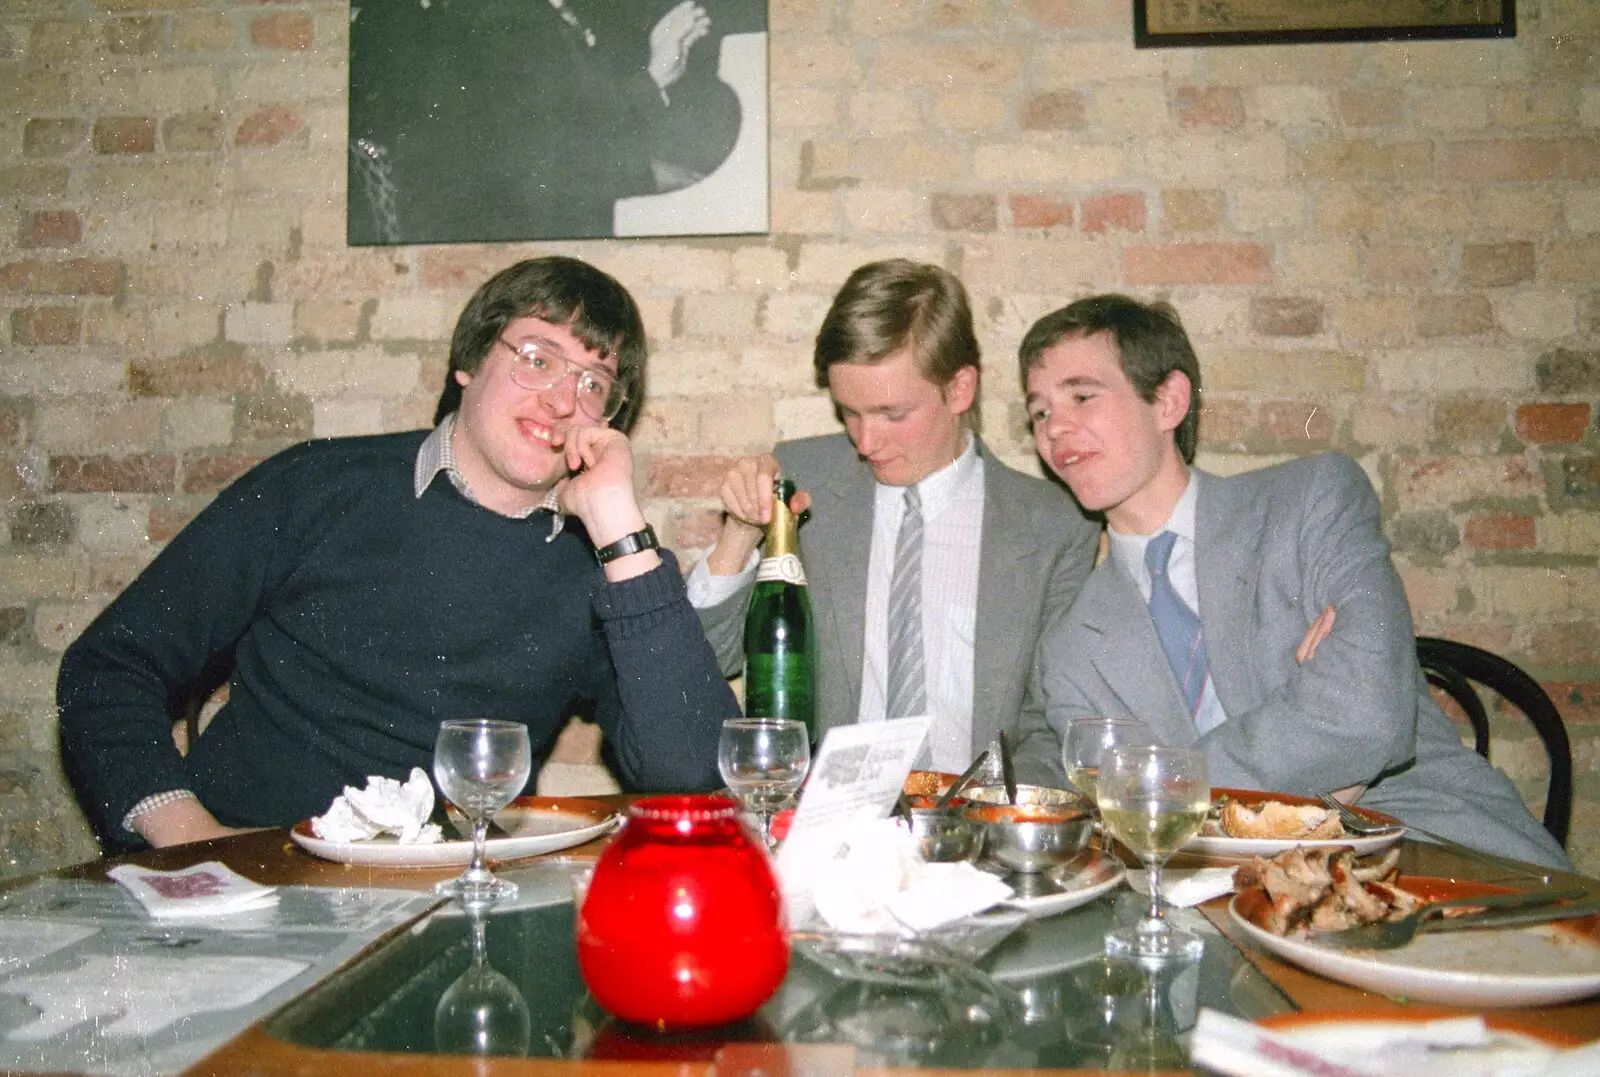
<point x="634" y="543"/>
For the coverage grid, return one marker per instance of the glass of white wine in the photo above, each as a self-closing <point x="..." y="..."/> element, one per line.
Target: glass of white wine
<point x="764" y="761"/>
<point x="1153" y="799"/>
<point x="481" y="764"/>
<point x="1088" y="738"/>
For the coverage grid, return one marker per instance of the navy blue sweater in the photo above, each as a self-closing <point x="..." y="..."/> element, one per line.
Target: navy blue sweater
<point x="357" y="617"/>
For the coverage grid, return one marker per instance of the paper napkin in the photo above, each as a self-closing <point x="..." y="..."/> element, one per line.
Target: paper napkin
<point x="209" y="889"/>
<point x="385" y="806"/>
<point x="1186" y="888"/>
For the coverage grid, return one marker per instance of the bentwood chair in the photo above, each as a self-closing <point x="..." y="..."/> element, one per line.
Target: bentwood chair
<point x="1459" y="667"/>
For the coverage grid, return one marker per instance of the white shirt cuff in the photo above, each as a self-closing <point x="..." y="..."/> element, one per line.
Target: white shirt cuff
<point x="706" y="590"/>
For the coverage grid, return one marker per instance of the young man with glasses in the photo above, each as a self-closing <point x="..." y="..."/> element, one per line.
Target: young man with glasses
<point x="361" y="590"/>
<point x="998" y="553"/>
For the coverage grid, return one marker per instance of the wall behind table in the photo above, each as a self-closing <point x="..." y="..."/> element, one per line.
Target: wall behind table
<point x="1387" y="249"/>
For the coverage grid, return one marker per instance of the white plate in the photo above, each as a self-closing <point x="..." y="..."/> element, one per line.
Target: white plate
<point x="1341" y="1035"/>
<point x="1524" y="966"/>
<point x="1080" y="884"/>
<point x="1244" y="848"/>
<point x="536" y="824"/>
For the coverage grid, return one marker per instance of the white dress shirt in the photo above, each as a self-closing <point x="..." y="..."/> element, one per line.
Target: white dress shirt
<point x="1129" y="553"/>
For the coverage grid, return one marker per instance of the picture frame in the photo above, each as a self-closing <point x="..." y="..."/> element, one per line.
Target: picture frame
<point x="1195" y="23"/>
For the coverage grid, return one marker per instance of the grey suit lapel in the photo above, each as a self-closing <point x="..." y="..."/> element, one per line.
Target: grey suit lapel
<point x="845" y="494"/>
<point x="1227" y="568"/>
<point x="1128" y="656"/>
<point x="1007" y="571"/>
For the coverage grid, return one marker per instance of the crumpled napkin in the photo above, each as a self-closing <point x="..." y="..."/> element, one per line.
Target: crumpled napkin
<point x="1450" y="1047"/>
<point x="385" y="806"/>
<point x="1187" y="888"/>
<point x="874" y="881"/>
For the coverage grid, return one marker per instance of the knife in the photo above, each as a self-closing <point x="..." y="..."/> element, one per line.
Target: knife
<point x="1542" y="914"/>
<point x="1007" y="773"/>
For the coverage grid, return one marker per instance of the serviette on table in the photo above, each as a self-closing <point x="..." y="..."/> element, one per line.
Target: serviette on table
<point x="208" y="889"/>
<point x="385" y="806"/>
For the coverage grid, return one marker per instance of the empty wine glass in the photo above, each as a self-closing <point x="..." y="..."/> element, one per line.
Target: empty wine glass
<point x="480" y="764"/>
<point x="1153" y="799"/>
<point x="1088" y="738"/>
<point x="764" y="761"/>
<point x="482" y="1012"/>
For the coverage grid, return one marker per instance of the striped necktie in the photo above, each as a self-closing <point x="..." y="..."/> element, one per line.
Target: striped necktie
<point x="907" y="693"/>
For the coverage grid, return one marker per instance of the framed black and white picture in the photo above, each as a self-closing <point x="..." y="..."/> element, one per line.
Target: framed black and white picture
<point x="475" y="121"/>
<point x="1190" y="23"/>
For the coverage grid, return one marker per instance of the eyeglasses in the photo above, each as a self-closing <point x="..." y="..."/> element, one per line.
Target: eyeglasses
<point x="538" y="365"/>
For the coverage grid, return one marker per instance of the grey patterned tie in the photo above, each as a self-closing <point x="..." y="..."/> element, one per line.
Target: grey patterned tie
<point x="907" y="694"/>
<point x="1176" y="624"/>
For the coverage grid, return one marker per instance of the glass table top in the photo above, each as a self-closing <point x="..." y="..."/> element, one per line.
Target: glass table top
<point x="1045" y="997"/>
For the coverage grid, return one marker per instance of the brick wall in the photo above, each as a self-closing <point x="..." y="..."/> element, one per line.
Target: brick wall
<point x="1387" y="249"/>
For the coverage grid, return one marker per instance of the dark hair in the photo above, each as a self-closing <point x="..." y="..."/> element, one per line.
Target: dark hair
<point x="563" y="291"/>
<point x="886" y="306"/>
<point x="1150" y="344"/>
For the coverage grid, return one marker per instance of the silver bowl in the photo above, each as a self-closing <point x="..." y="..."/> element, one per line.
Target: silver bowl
<point x="945" y="836"/>
<point x="1045" y="796"/>
<point x="1032" y="838"/>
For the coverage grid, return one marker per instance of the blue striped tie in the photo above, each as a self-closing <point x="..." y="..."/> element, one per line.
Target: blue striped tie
<point x="1176" y="624"/>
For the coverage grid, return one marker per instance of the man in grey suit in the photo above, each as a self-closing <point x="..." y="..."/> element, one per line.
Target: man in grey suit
<point x="1002" y="552"/>
<point x="1257" y="616"/>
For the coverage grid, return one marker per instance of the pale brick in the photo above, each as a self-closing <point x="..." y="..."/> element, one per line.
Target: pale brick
<point x="55" y="625"/>
<point x="1214" y="314"/>
<point x="259" y="323"/>
<point x="760" y="269"/>
<point x="1072" y="265"/>
<point x="1521" y="160"/>
<point x="719" y="315"/>
<point x="691" y="370"/>
<point x="1517" y="211"/>
<point x="1450" y="481"/>
<point x="1421" y="62"/>
<point x="1077" y="14"/>
<point x="166" y="89"/>
<point x="644" y="265"/>
<point x="1365" y="161"/>
<point x="362" y="374"/>
<point x="88" y="426"/>
<point x="1189" y="210"/>
<point x="414" y="317"/>
<point x="1535" y="315"/>
<point x="1589" y="107"/>
<point x="794" y="316"/>
<point x="826" y="265"/>
<point x="1291" y="106"/>
<point x="1371" y="317"/>
<point x="1576" y="261"/>
<point x="879" y="112"/>
<point x="189" y="226"/>
<point x="804" y="417"/>
<point x="64" y="376"/>
<point x="327" y="321"/>
<point x="1429" y="592"/>
<point x="205" y="31"/>
<point x="196" y="424"/>
<point x="1132" y="107"/>
<point x="1453" y="108"/>
<point x="1469" y="424"/>
<point x="969" y="109"/>
<point x="1389" y="421"/>
<point x="1210" y="160"/>
<point x="1046" y="161"/>
<point x="1268" y="65"/>
<point x="1540" y="106"/>
<point x="1402" y="264"/>
<point x="1575" y="533"/>
<point x="1450" y="370"/>
<point x="1583" y="210"/>
<point x="884" y="209"/>
<point x="113" y="524"/>
<point x="738" y="423"/>
<point x="781" y="370"/>
<point x="265" y="228"/>
<point x="25" y="681"/>
<point x="1315" y="263"/>
<point x="804" y="107"/>
<point x="1454" y="315"/>
<point x="887" y="16"/>
<point x="26" y="575"/>
<point x="1525" y="592"/>
<point x="171" y="180"/>
<point x="1073" y="63"/>
<point x="346" y="418"/>
<point x="803" y="212"/>
<point x="178" y="325"/>
<point x="1257" y="209"/>
<point x="1307" y="372"/>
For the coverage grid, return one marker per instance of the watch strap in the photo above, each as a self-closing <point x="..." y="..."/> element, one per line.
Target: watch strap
<point x="632" y="543"/>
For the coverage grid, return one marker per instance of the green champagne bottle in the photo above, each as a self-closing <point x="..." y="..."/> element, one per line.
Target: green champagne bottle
<point x="779" y="641"/>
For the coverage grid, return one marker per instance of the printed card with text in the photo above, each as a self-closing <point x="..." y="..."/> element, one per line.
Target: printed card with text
<point x="209" y="889"/>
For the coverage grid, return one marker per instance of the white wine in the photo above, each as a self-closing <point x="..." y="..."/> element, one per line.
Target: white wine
<point x="1153" y="828"/>
<point x="1083" y="779"/>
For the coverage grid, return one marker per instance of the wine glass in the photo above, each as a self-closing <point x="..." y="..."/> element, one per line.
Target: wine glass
<point x="1153" y="798"/>
<point x="1088" y="738"/>
<point x="482" y="1012"/>
<point x="480" y="764"/>
<point x="764" y="761"/>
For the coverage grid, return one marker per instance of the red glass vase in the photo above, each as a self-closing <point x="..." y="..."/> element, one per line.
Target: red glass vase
<point x="682" y="925"/>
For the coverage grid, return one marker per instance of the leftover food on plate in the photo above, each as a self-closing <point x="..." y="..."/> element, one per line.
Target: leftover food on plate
<point x="1323" y="889"/>
<point x="1273" y="819"/>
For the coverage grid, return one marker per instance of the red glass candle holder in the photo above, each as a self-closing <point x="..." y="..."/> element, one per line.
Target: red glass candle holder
<point x="682" y="925"/>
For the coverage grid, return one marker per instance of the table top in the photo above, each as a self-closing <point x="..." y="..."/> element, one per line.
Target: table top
<point x="270" y="857"/>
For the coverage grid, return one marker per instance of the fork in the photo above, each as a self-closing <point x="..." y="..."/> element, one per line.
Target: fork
<point x="1503" y="910"/>
<point x="1362" y="827"/>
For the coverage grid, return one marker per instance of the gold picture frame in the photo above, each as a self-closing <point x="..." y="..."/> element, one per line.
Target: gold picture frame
<point x="1189" y="23"/>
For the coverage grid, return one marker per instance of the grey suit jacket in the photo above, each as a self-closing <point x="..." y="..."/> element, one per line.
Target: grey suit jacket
<point x="1037" y="551"/>
<point x="1273" y="549"/>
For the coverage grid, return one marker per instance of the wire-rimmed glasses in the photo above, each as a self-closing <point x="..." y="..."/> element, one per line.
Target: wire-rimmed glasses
<point x="539" y="364"/>
<point x="481" y="764"/>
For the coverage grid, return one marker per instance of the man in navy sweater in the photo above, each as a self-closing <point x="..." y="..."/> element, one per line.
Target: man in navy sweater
<point x="365" y="589"/>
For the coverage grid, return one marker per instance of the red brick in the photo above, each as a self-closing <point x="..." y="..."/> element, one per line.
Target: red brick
<point x="1209" y="106"/>
<point x="1494" y="265"/>
<point x="195" y="375"/>
<point x="78" y="276"/>
<point x="964" y="212"/>
<point x="1501" y="531"/>
<point x="1286" y="316"/>
<point x="1545" y="424"/>
<point x="1224" y="421"/>
<point x="141" y="474"/>
<point x="267" y="127"/>
<point x="53" y="228"/>
<point x="1062" y="110"/>
<point x="125" y="134"/>
<point x="1287" y="420"/>
<point x="1454" y="315"/>
<point x="685" y="476"/>
<point x="1196" y="263"/>
<point x="46" y="325"/>
<point x="287" y="30"/>
<point x="209" y="474"/>
<point x="167" y="518"/>
<point x="1123" y="212"/>
<point x="1570" y="644"/>
<point x="1029" y="211"/>
<point x="1521" y="160"/>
